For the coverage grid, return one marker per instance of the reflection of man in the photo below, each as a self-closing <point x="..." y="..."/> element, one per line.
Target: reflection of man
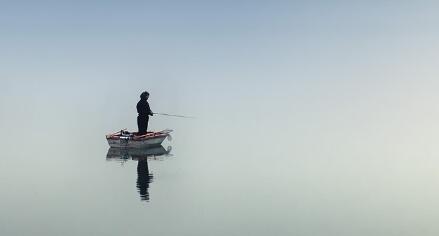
<point x="143" y="179"/>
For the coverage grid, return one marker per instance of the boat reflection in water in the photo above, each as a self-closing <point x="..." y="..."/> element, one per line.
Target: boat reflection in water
<point x="141" y="155"/>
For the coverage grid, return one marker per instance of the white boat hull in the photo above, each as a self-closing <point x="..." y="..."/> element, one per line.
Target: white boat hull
<point x="128" y="140"/>
<point x="123" y="143"/>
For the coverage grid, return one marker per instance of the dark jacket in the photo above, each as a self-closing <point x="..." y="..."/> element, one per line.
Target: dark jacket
<point x="143" y="108"/>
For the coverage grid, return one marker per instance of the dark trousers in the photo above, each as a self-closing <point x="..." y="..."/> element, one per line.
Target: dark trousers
<point x="142" y="124"/>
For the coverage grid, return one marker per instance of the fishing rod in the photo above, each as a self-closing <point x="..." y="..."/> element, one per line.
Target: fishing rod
<point x="166" y="114"/>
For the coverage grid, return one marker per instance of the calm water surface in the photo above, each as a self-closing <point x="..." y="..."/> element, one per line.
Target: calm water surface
<point x="242" y="173"/>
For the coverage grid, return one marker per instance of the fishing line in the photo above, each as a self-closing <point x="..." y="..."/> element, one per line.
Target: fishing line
<point x="181" y="116"/>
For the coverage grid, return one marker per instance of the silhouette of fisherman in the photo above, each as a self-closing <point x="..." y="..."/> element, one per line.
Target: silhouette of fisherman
<point x="144" y="113"/>
<point x="144" y="178"/>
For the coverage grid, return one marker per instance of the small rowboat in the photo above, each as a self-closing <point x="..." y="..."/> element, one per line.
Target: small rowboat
<point x="127" y="139"/>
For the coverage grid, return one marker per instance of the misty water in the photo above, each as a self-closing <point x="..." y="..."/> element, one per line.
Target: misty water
<point x="286" y="164"/>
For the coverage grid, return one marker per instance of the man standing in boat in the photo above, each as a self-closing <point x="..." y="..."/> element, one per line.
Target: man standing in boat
<point x="144" y="113"/>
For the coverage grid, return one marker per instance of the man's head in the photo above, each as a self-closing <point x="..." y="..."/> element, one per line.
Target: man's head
<point x="144" y="95"/>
